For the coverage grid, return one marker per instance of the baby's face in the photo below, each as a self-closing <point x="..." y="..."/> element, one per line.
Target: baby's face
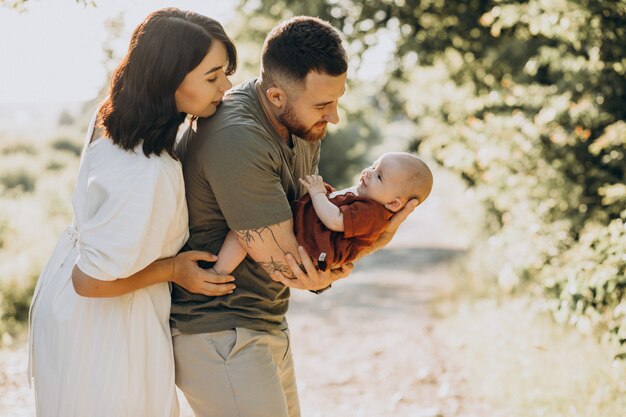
<point x="382" y="182"/>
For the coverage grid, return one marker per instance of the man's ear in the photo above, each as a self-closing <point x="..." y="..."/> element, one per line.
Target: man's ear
<point x="276" y="96"/>
<point x="394" y="205"/>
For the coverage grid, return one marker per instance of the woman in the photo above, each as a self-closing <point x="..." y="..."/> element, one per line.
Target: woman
<point x="101" y="342"/>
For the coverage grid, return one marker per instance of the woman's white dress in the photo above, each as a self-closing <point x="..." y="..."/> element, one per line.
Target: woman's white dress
<point x="110" y="357"/>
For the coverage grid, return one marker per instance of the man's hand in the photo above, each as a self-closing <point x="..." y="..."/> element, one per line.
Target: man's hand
<point x="397" y="219"/>
<point x="190" y="276"/>
<point x="311" y="278"/>
<point x="314" y="184"/>
<point x="392" y="227"/>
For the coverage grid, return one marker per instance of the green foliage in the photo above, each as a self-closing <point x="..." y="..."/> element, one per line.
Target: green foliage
<point x="22" y="5"/>
<point x="345" y="152"/>
<point x="526" y="100"/>
<point x="543" y="144"/>
<point x="13" y="4"/>
<point x="20" y="180"/>
<point x="4" y="226"/>
<point x="14" y="148"/>
<point x="66" y="119"/>
<point x="55" y="166"/>
<point x="590" y="279"/>
<point x="14" y="306"/>
<point x="67" y="145"/>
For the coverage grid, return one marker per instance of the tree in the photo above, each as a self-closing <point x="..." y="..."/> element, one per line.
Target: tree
<point x="23" y="4"/>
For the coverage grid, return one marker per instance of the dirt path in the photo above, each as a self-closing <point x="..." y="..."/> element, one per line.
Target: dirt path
<point x="368" y="347"/>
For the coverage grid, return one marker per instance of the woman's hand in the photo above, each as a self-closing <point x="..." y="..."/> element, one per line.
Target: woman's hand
<point x="310" y="278"/>
<point x="187" y="274"/>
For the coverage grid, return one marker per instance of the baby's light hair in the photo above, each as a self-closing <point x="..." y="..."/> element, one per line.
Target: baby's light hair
<point x="418" y="182"/>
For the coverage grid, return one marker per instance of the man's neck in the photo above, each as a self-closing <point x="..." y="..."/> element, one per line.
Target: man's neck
<point x="282" y="132"/>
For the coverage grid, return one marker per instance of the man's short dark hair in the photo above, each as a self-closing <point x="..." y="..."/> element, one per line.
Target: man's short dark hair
<point x="300" y="45"/>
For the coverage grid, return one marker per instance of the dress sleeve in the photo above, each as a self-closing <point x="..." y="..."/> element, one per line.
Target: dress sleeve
<point x="362" y="219"/>
<point x="243" y="171"/>
<point x="127" y="220"/>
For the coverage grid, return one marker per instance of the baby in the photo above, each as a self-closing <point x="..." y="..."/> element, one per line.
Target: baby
<point x="336" y="226"/>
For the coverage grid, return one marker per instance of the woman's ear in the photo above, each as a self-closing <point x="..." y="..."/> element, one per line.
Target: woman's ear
<point x="394" y="205"/>
<point x="276" y="96"/>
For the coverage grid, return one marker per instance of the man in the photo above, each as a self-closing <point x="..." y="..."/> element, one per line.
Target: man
<point x="241" y="170"/>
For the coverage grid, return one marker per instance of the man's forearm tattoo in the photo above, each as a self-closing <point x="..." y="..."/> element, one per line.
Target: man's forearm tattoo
<point x="276" y="266"/>
<point x="252" y="235"/>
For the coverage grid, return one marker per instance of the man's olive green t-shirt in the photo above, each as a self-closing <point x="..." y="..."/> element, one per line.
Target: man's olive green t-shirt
<point x="239" y="175"/>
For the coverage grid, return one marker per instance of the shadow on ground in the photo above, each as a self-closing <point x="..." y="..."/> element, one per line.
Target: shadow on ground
<point x="388" y="281"/>
<point x="406" y="259"/>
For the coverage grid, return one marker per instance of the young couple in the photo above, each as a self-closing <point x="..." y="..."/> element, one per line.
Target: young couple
<point x="101" y="343"/>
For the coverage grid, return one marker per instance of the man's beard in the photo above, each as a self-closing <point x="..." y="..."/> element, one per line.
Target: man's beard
<point x="289" y="119"/>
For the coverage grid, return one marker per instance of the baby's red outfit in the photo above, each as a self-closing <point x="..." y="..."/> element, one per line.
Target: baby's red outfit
<point x="363" y="221"/>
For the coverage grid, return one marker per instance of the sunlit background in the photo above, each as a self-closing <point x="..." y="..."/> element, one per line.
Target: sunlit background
<point x="502" y="295"/>
<point x="52" y="52"/>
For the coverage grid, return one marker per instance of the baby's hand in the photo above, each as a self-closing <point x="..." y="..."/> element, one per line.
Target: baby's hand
<point x="314" y="184"/>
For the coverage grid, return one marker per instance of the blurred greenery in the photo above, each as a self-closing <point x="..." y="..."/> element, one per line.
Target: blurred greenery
<point x="67" y="145"/>
<point x="345" y="152"/>
<point x="22" y="5"/>
<point x="37" y="176"/>
<point x="18" y="147"/>
<point x="15" y="300"/>
<point x="526" y="101"/>
<point x="4" y="225"/>
<point x="20" y="180"/>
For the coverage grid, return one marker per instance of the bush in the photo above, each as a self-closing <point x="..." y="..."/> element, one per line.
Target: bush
<point x="26" y="148"/>
<point x="20" y="180"/>
<point x="55" y="165"/>
<point x="345" y="152"/>
<point x="14" y="306"/>
<point x="589" y="280"/>
<point x="4" y="226"/>
<point x="67" y="145"/>
<point x="543" y="146"/>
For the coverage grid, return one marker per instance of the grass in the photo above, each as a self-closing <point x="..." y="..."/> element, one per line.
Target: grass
<point x="519" y="361"/>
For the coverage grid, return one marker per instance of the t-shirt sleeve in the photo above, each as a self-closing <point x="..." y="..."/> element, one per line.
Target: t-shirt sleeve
<point x="362" y="218"/>
<point x="127" y="221"/>
<point x="242" y="168"/>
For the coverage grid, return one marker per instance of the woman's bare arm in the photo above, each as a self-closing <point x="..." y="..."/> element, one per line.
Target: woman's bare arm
<point x="181" y="269"/>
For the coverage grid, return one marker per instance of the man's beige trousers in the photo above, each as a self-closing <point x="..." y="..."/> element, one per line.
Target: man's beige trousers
<point x="237" y="373"/>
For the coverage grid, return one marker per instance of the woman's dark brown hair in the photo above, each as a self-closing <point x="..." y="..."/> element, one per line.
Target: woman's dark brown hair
<point x="164" y="48"/>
